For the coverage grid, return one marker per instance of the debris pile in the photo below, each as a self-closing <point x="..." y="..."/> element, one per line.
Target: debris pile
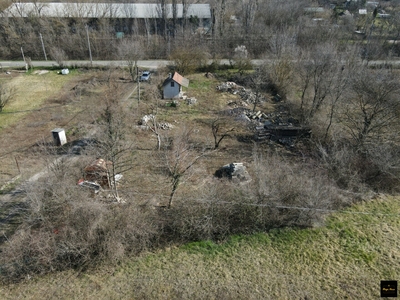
<point x="146" y="118"/>
<point x="277" y="126"/>
<point x="245" y="114"/>
<point x="165" y="126"/>
<point x="162" y="125"/>
<point x="246" y="95"/>
<point x="236" y="172"/>
<point x="256" y="116"/>
<point x="230" y="87"/>
<point x="280" y="128"/>
<point x="96" y="176"/>
<point x="191" y="101"/>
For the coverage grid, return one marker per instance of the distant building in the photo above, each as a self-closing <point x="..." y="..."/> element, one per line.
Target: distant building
<point x="105" y="10"/>
<point x="123" y="16"/>
<point x="172" y="86"/>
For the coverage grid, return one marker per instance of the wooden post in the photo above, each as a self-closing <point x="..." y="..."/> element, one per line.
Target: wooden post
<point x="44" y="50"/>
<point x="90" y="50"/>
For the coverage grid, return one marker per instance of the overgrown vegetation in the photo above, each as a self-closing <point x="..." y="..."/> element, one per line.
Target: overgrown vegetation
<point x="66" y="227"/>
<point x="315" y="78"/>
<point x="346" y="258"/>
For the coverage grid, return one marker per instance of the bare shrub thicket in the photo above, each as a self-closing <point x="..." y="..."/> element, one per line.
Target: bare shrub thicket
<point x="131" y="51"/>
<point x="189" y="57"/>
<point x="296" y="192"/>
<point x="58" y="55"/>
<point x="6" y="95"/>
<point x="66" y="228"/>
<point x="281" y="194"/>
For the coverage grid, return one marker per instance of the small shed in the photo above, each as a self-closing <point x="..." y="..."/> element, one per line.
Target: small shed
<point x="59" y="136"/>
<point x="172" y="86"/>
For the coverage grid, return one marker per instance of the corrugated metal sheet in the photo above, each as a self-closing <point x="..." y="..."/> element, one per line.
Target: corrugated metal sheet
<point x="103" y="10"/>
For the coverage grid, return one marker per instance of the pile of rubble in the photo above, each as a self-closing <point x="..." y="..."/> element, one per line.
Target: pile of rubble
<point x="246" y="95"/>
<point x="236" y="172"/>
<point x="282" y="130"/>
<point x="277" y="126"/>
<point x="245" y="114"/>
<point x="255" y="116"/>
<point x="191" y="100"/>
<point x="165" y="126"/>
<point x="151" y="118"/>
<point x="230" y="87"/>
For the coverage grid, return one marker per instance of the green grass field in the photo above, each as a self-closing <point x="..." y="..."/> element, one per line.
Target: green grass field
<point x="345" y="259"/>
<point x="32" y="91"/>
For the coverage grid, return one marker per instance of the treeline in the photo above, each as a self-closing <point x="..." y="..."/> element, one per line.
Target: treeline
<point x="262" y="26"/>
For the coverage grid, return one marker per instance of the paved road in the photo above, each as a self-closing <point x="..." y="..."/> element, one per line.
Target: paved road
<point x="151" y="64"/>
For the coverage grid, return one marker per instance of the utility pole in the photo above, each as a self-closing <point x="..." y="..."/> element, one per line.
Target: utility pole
<point x="90" y="51"/>
<point x="138" y="82"/>
<point x="44" y="50"/>
<point x="23" y="56"/>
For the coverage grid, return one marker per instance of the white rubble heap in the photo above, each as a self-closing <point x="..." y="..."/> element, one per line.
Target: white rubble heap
<point x="161" y="125"/>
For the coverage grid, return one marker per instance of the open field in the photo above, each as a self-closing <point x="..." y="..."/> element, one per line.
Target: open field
<point x="44" y="100"/>
<point x="344" y="260"/>
<point x="47" y="100"/>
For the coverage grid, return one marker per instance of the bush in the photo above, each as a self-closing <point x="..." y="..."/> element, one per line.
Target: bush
<point x="66" y="228"/>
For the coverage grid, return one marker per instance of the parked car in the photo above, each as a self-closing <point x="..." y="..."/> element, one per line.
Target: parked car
<point x="145" y="76"/>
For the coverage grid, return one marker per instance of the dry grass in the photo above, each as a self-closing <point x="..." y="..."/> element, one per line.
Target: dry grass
<point x="344" y="260"/>
<point x="32" y="91"/>
<point x="42" y="103"/>
<point x="148" y="162"/>
<point x="347" y="258"/>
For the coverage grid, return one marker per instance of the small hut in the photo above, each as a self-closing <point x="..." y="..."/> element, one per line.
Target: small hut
<point x="59" y="136"/>
<point x="172" y="86"/>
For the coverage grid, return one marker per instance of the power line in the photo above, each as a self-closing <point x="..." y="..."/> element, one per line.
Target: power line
<point x="257" y="204"/>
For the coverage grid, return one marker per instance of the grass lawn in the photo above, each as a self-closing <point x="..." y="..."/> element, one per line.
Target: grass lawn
<point x="346" y="259"/>
<point x="32" y="90"/>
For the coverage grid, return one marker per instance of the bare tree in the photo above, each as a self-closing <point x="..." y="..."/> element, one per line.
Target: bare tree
<point x="315" y="80"/>
<point x="131" y="51"/>
<point x="219" y="14"/>
<point x="180" y="158"/>
<point x="113" y="146"/>
<point x="259" y="82"/>
<point x="241" y="59"/>
<point x="341" y="75"/>
<point x="373" y="106"/>
<point x="188" y="57"/>
<point x="220" y="131"/>
<point x="162" y="12"/>
<point x="7" y="94"/>
<point x="58" y="55"/>
<point x="249" y="9"/>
